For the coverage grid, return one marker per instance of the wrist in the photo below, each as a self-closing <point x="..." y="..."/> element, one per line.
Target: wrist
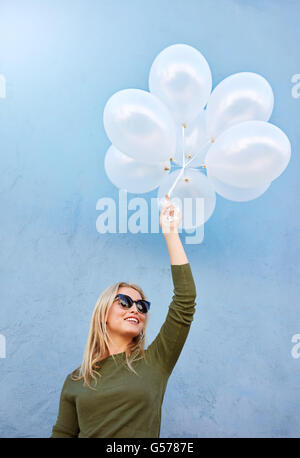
<point x="170" y="233"/>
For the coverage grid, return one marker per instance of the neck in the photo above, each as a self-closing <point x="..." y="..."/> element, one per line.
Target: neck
<point x="118" y="344"/>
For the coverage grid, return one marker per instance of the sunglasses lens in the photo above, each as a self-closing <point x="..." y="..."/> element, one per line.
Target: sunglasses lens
<point x="143" y="306"/>
<point x="124" y="302"/>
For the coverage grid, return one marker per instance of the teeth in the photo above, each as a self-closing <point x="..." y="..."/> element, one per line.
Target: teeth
<point x="131" y="319"/>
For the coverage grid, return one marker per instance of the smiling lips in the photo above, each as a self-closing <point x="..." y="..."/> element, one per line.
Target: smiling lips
<point x="132" y="320"/>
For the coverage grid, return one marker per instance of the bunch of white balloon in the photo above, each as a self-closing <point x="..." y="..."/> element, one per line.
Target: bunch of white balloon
<point x="181" y="121"/>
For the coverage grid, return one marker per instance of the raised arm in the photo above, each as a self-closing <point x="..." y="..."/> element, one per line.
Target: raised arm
<point x="168" y="344"/>
<point x="67" y="422"/>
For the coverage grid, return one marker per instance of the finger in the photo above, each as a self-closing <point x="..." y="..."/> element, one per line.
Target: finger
<point x="168" y="204"/>
<point x="167" y="207"/>
<point x="168" y="210"/>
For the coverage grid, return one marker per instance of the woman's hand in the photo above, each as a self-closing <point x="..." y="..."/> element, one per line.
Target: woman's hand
<point x="170" y="217"/>
<point x="170" y="231"/>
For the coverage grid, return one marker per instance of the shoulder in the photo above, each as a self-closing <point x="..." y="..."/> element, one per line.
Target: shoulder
<point x="70" y="378"/>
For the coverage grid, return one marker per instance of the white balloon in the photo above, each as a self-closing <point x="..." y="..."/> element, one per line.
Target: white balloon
<point x="238" y="98"/>
<point x="249" y="154"/>
<point x="180" y="76"/>
<point x="234" y="193"/>
<point x="140" y="125"/>
<point x="191" y="185"/>
<point x="193" y="140"/>
<point x="136" y="177"/>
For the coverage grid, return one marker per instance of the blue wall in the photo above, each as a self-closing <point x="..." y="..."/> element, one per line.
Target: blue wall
<point x="62" y="60"/>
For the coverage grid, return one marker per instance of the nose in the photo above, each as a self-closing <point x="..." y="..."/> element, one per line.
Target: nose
<point x="134" y="307"/>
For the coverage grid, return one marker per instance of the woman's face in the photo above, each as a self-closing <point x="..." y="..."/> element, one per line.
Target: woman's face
<point x="117" y="322"/>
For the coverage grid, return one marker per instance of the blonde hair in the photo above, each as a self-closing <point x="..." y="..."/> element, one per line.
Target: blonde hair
<point x="97" y="342"/>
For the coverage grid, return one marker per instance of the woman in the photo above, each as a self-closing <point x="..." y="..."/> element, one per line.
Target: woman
<point x="119" y="388"/>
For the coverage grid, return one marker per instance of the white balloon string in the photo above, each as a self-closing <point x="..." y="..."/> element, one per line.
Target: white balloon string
<point x="175" y="182"/>
<point x="183" y="163"/>
<point x="183" y="160"/>
<point x="204" y="146"/>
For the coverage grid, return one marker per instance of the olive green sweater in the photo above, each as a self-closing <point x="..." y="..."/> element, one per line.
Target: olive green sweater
<point x="125" y="404"/>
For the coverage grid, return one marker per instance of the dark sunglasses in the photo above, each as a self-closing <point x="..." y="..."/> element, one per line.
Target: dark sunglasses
<point x="126" y="302"/>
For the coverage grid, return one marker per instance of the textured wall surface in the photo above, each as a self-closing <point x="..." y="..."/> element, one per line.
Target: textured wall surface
<point x="61" y="61"/>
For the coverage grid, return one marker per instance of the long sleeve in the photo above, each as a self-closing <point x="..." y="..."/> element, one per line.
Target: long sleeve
<point x="168" y="344"/>
<point x="67" y="422"/>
